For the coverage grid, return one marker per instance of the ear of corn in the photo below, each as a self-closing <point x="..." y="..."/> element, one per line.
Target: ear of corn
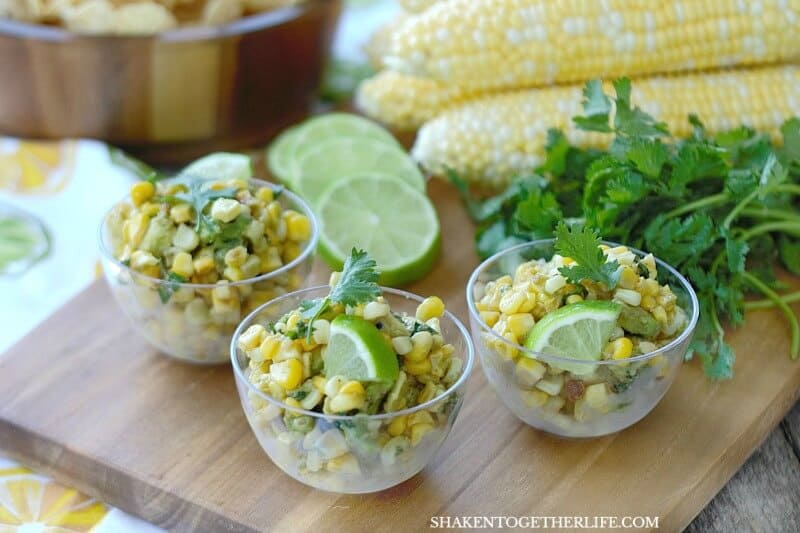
<point x="417" y="6"/>
<point x="490" y="140"/>
<point x="502" y="44"/>
<point x="406" y="102"/>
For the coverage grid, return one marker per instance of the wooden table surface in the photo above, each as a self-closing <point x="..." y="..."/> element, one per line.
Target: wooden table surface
<point x="764" y="495"/>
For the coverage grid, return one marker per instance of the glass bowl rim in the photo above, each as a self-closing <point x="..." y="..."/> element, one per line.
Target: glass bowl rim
<point x="244" y="25"/>
<point x="465" y="372"/>
<point x="687" y="332"/>
<point x="308" y="250"/>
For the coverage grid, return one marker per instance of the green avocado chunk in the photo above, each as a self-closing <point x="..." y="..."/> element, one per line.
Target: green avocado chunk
<point x="638" y="321"/>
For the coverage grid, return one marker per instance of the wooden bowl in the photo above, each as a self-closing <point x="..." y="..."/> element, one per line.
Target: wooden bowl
<point x="169" y="97"/>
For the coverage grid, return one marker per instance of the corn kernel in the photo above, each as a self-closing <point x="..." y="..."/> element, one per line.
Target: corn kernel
<point x="141" y="260"/>
<point x="628" y="279"/>
<point x="291" y="402"/>
<point x="621" y="348"/>
<point x="319" y="383"/>
<point x="225" y="209"/>
<point x="419" y="368"/>
<point x="236" y="256"/>
<point x="352" y="387"/>
<point x="428" y="393"/>
<point x="322" y="331"/>
<point x="430" y="307"/>
<point x="420" y="417"/>
<point x="142" y="192"/>
<point x="180" y="213"/>
<point x="182" y="265"/>
<point x="203" y="265"/>
<point x="287" y="374"/>
<point x="511" y="302"/>
<point x="402" y="345"/>
<point x="233" y="273"/>
<point x="529" y="371"/>
<point x="554" y="284"/>
<point x="375" y="310"/>
<point x="265" y="194"/>
<point x="534" y="398"/>
<point x="298" y="227"/>
<point x="134" y="229"/>
<point x="421" y="345"/>
<point x="628" y="296"/>
<point x="345" y="464"/>
<point x="397" y="426"/>
<point x="252" y="337"/>
<point x="333" y="385"/>
<point x="269" y="347"/>
<point x="418" y="431"/>
<point x="490" y="317"/>
<point x="520" y="324"/>
<point x="574" y="298"/>
<point x="342" y="403"/>
<point x="660" y="314"/>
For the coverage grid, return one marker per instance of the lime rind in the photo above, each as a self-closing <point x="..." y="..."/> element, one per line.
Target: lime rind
<point x="221" y="166"/>
<point x="279" y="155"/>
<point x="577" y="331"/>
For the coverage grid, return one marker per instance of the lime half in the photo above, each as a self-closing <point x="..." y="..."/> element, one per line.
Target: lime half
<point x="339" y="159"/>
<point x="357" y="350"/>
<point x="221" y="166"/>
<point x="279" y="155"/>
<point x="393" y="221"/>
<point x="577" y="331"/>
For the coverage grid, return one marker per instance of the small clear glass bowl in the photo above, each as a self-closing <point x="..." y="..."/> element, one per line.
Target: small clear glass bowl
<point x="620" y="407"/>
<point x="348" y="454"/>
<point x="186" y="325"/>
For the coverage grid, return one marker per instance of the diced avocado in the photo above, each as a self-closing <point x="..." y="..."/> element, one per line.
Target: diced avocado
<point x="638" y="321"/>
<point x="375" y="393"/>
<point x="159" y="235"/>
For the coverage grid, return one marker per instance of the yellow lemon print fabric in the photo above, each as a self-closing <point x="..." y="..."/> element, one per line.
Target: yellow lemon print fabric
<point x="36" y="167"/>
<point x="29" y="502"/>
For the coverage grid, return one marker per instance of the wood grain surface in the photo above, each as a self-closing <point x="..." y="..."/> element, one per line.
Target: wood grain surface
<point x="86" y="400"/>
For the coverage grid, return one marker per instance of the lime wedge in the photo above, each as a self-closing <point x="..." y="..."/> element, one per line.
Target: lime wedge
<point x="577" y="331"/>
<point x="279" y="155"/>
<point x="393" y="221"/>
<point x="336" y="159"/>
<point x="357" y="350"/>
<point x="221" y="166"/>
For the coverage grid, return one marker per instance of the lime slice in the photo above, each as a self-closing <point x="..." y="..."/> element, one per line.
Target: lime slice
<point x="337" y="126"/>
<point x="357" y="350"/>
<point x="279" y="155"/>
<point x="24" y="240"/>
<point x="393" y="221"/>
<point x="336" y="159"/>
<point x="577" y="331"/>
<point x="221" y="166"/>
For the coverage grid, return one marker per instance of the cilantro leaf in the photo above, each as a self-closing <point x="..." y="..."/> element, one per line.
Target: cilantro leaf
<point x="789" y="250"/>
<point x="583" y="246"/>
<point x="357" y="284"/>
<point x="359" y="281"/>
<point x="790" y="152"/>
<point x="736" y="252"/>
<point x="648" y="156"/>
<point x="678" y="240"/>
<point x="633" y="121"/>
<point x="166" y="290"/>
<point x="199" y="195"/>
<point x="596" y="108"/>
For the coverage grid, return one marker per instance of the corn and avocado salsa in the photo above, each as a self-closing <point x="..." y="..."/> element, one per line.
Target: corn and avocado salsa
<point x="591" y="331"/>
<point x="200" y="254"/>
<point x="336" y="361"/>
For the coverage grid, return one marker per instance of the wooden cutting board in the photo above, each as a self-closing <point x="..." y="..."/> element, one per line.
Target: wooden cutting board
<point x="86" y="400"/>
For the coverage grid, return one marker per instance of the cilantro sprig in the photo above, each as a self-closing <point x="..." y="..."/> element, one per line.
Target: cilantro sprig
<point x="583" y="246"/>
<point x="723" y="209"/>
<point x="357" y="284"/>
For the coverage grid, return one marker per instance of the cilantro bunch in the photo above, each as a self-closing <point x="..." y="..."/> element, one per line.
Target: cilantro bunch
<point x="724" y="209"/>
